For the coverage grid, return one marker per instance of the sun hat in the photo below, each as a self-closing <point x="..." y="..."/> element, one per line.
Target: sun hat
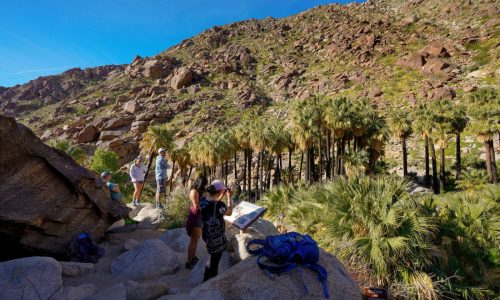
<point x="105" y="174"/>
<point x="218" y="185"/>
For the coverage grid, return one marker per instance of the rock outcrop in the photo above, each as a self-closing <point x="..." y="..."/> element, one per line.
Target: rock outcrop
<point x="245" y="281"/>
<point x="47" y="198"/>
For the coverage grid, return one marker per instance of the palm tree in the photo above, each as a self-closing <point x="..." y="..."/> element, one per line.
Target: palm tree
<point x="400" y="123"/>
<point x="242" y="135"/>
<point x="306" y="118"/>
<point x="484" y="107"/>
<point x="459" y="122"/>
<point x="442" y="126"/>
<point x="423" y="124"/>
<point x="278" y="138"/>
<point x="158" y="136"/>
<point x="258" y="143"/>
<point x="378" y="225"/>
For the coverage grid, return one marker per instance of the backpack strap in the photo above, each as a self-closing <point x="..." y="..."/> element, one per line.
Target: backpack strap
<point x="322" y="277"/>
<point x="275" y="269"/>
<point x="256" y="242"/>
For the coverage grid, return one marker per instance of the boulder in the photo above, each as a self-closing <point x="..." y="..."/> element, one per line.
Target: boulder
<point x="131" y="107"/>
<point x="88" y="134"/>
<point x="114" y="292"/>
<point x="442" y="93"/>
<point x="80" y="292"/>
<point x="109" y="135"/>
<point x="146" y="291"/>
<point x="41" y="220"/>
<point x="178" y="240"/>
<point x="74" y="269"/>
<point x="153" y="69"/>
<point x="31" y="278"/>
<point x="260" y="229"/>
<point x="183" y="77"/>
<point x="246" y="281"/>
<point x="415" y="61"/>
<point x="151" y="215"/>
<point x="130" y="244"/>
<point x="434" y="65"/>
<point x="435" y="50"/>
<point x="117" y="123"/>
<point x="149" y="259"/>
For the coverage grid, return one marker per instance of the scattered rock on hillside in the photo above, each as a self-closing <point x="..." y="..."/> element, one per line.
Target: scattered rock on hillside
<point x="114" y="292"/>
<point x="31" y="278"/>
<point x="182" y="77"/>
<point x="88" y="134"/>
<point x="153" y="69"/>
<point x="149" y="259"/>
<point x="246" y="280"/>
<point x="146" y="291"/>
<point x="131" y="107"/>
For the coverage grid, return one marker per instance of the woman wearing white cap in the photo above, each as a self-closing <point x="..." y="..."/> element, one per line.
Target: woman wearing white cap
<point x="137" y="172"/>
<point x="213" y="230"/>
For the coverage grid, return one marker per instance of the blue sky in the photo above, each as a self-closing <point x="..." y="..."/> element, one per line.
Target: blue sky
<point x="43" y="37"/>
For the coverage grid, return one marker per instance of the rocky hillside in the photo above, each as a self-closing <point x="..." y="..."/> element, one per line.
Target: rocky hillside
<point x="394" y="52"/>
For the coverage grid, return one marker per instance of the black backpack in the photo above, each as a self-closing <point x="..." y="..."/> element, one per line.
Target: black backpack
<point x="83" y="249"/>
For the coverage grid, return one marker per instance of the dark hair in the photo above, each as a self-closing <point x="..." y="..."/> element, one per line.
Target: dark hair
<point x="212" y="190"/>
<point x="199" y="184"/>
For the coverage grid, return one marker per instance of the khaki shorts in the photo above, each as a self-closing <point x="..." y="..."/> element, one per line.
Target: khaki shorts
<point x="161" y="185"/>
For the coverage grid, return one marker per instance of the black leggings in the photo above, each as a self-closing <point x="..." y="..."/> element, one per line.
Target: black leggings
<point x="212" y="267"/>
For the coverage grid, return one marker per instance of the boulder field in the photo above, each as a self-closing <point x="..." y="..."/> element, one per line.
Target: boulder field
<point x="146" y="263"/>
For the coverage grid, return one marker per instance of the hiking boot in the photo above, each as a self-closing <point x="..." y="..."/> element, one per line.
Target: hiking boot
<point x="190" y="265"/>
<point x="159" y="206"/>
<point x="134" y="203"/>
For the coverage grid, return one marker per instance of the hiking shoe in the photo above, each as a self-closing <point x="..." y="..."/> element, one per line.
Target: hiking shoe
<point x="194" y="260"/>
<point x="159" y="206"/>
<point x="134" y="203"/>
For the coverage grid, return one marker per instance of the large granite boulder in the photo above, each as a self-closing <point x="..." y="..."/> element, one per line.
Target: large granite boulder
<point x="31" y="278"/>
<point x="245" y="281"/>
<point x="47" y="198"/>
<point x="149" y="259"/>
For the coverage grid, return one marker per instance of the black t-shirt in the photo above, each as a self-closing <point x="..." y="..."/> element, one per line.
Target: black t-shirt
<point x="213" y="232"/>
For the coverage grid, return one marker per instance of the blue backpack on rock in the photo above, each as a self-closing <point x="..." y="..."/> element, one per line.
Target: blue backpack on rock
<point x="288" y="251"/>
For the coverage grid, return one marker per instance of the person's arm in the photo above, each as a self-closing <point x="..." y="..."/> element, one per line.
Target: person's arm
<point x="194" y="196"/>
<point x="229" y="210"/>
<point x="115" y="188"/>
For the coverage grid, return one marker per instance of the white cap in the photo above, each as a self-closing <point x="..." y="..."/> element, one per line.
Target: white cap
<point x="161" y="150"/>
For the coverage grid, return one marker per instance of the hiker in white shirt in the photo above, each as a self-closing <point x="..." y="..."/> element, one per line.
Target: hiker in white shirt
<point x="137" y="172"/>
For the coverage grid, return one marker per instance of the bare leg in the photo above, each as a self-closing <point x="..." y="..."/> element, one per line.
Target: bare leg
<point x="195" y="236"/>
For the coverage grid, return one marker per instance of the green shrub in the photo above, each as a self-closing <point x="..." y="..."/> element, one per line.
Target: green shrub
<point x="104" y="160"/>
<point x="75" y="151"/>
<point x="177" y="208"/>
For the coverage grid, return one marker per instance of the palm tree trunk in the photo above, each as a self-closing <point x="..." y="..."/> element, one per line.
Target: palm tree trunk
<point x="257" y="191"/>
<point x="290" y="175"/>
<point x="493" y="162"/>
<point x="338" y="162"/>
<point x="488" y="160"/>
<point x="189" y="174"/>
<point x="435" y="183"/>
<point x="442" y="171"/>
<point x="301" y="162"/>
<point x="320" y="177"/>
<point x="172" y="177"/>
<point x="332" y="172"/>
<point x="342" y="162"/>
<point x="151" y="157"/>
<point x="249" y="173"/>
<point x="405" y="157"/>
<point x="227" y="172"/>
<point x="269" y="168"/>
<point x="427" y="168"/>
<point x="458" y="153"/>
<point x="328" y="149"/>
<point x="245" y="161"/>
<point x="235" y="165"/>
